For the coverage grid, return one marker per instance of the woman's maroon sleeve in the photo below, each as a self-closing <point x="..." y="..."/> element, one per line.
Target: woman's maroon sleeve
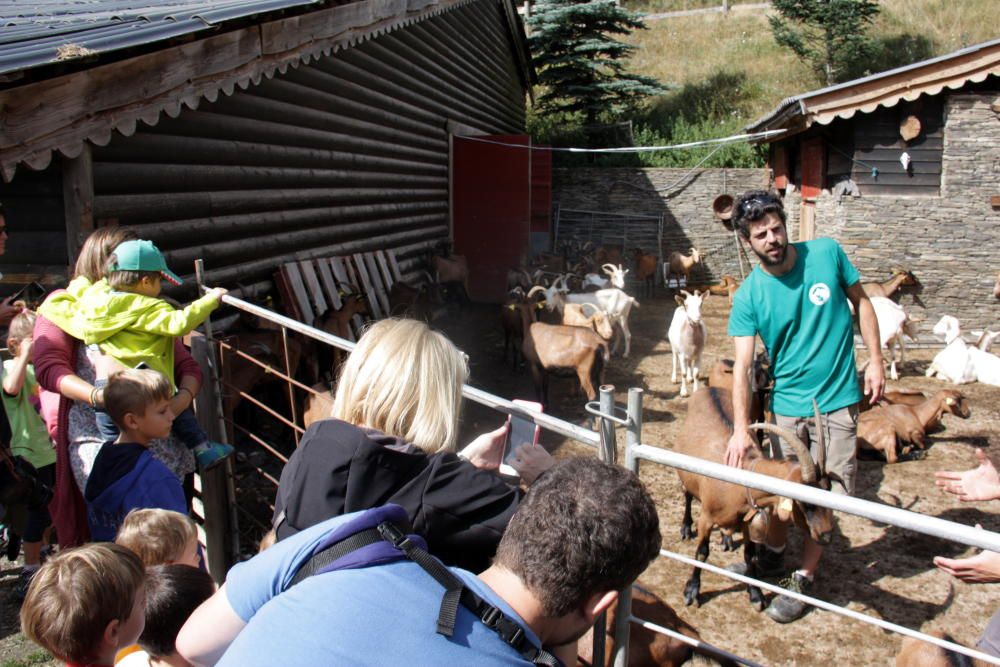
<point x="53" y="354"/>
<point x="184" y="364"/>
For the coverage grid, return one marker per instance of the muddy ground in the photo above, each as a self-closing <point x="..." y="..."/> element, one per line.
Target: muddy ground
<point x="878" y="570"/>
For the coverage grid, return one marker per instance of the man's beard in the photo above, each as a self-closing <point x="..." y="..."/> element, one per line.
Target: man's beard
<point x="770" y="261"/>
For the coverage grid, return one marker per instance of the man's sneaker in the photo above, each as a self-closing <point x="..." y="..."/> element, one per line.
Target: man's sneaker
<point x="210" y="454"/>
<point x="784" y="609"/>
<point x="21" y="587"/>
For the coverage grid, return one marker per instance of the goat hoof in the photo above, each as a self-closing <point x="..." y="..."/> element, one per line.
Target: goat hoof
<point x="756" y="599"/>
<point x="727" y="543"/>
<point x="687" y="533"/>
<point x="691" y="592"/>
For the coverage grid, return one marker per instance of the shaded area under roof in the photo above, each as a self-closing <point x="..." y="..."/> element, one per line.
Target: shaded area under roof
<point x="47" y="32"/>
<point x="886" y="89"/>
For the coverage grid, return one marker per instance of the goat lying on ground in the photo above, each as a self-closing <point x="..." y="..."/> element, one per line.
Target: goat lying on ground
<point x="893" y="325"/>
<point x="681" y="265"/>
<point x="728" y="286"/>
<point x="646" y="648"/>
<point x="687" y="336"/>
<point x="885" y="427"/>
<point x="887" y="288"/>
<point x="548" y="347"/>
<point x="954" y="363"/>
<point x="706" y="433"/>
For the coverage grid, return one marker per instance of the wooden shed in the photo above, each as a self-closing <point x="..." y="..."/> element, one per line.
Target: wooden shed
<point x="901" y="168"/>
<point x="248" y="133"/>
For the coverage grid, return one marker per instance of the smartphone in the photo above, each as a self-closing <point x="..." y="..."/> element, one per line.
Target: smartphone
<point x="520" y="432"/>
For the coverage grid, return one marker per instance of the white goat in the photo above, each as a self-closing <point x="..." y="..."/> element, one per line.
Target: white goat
<point x="616" y="277"/>
<point x="893" y="324"/>
<point x="687" y="336"/>
<point x="953" y="363"/>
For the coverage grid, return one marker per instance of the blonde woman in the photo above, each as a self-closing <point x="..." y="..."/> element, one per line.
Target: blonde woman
<point x="392" y="439"/>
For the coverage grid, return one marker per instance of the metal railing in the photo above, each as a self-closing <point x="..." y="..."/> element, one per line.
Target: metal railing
<point x="630" y="418"/>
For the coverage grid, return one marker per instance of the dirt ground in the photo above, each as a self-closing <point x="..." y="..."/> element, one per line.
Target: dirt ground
<point x="875" y="569"/>
<point x="878" y="570"/>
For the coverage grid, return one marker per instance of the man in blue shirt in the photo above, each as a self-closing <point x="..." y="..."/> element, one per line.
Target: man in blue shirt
<point x="584" y="530"/>
<point x="796" y="300"/>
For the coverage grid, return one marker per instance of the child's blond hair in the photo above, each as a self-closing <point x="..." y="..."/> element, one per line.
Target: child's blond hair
<point x="157" y="536"/>
<point x="133" y="390"/>
<point x="74" y="596"/>
<point x="23" y="324"/>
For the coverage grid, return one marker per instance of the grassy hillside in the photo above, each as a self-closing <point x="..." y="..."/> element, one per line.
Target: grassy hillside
<point x="726" y="71"/>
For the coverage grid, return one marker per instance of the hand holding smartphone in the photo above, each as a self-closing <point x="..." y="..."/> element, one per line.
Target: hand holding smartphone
<point x="521" y="432"/>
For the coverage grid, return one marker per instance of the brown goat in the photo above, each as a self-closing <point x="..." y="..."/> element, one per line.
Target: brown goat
<point x="416" y="302"/>
<point x="547" y="347"/>
<point x="705" y="434"/>
<point x="728" y="286"/>
<point x="453" y="269"/>
<point x="882" y="427"/>
<point x="575" y="315"/>
<point x="645" y="270"/>
<point x="242" y="375"/>
<point x="916" y="653"/>
<point x="721" y="377"/>
<point x="646" y="648"/>
<point x="681" y="265"/>
<point x="897" y="397"/>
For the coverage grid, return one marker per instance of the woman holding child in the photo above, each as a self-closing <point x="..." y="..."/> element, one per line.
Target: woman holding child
<point x="392" y="440"/>
<point x="66" y="372"/>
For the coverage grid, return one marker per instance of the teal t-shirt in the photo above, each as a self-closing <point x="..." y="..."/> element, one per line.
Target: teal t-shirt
<point x="806" y="325"/>
<point x="29" y="438"/>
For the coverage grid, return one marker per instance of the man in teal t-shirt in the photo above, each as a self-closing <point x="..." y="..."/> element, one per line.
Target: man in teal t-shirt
<point x="796" y="301"/>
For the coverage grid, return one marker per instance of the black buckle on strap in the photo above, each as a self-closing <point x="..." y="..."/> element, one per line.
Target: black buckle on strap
<point x="394" y="535"/>
<point x="491" y="617"/>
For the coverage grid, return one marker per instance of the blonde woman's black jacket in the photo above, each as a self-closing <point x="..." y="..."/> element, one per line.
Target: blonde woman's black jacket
<point x="340" y="468"/>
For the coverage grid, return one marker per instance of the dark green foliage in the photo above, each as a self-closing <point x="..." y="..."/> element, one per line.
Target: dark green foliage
<point x="828" y="34"/>
<point x="580" y="65"/>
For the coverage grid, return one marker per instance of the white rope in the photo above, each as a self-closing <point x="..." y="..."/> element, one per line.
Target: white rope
<point x="634" y="149"/>
<point x="836" y="609"/>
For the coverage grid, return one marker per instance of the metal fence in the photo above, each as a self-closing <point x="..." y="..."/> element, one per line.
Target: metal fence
<point x="603" y="441"/>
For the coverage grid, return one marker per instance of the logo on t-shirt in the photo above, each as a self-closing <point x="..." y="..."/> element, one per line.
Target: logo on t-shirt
<point x="819" y="294"/>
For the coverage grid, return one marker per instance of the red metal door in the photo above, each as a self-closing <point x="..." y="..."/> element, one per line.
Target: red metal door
<point x="491" y="209"/>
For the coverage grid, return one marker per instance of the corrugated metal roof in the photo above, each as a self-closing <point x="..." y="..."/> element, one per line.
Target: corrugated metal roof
<point x="852" y="91"/>
<point x="33" y="34"/>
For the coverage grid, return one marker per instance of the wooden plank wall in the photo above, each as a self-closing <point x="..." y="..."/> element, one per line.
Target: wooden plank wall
<point x="346" y="155"/>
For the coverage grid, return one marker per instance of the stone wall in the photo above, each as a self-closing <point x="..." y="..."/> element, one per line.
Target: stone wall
<point x="683" y="197"/>
<point x="951" y="242"/>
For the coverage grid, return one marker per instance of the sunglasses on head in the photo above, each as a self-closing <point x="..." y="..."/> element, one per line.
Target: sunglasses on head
<point x="758" y="206"/>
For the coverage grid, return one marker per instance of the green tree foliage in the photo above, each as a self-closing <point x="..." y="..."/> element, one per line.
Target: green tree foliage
<point x="828" y="34"/>
<point x="580" y="65"/>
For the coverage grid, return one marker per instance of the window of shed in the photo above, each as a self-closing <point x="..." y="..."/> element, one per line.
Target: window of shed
<point x="878" y="144"/>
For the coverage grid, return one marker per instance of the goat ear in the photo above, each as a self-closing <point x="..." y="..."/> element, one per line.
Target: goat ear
<point x="685" y="292"/>
<point x="679" y="300"/>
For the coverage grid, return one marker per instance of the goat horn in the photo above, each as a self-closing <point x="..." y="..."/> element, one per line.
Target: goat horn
<point x="801" y="451"/>
<point x="613" y="267"/>
<point x="536" y="288"/>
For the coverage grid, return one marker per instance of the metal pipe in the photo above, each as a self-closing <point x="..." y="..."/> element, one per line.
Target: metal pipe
<point x="609" y="450"/>
<point x="690" y="641"/>
<point x="920" y="523"/>
<point x="291" y="389"/>
<point x="633" y="437"/>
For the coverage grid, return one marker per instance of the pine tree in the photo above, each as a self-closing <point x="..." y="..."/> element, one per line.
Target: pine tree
<point x="579" y="64"/>
<point x="829" y="34"/>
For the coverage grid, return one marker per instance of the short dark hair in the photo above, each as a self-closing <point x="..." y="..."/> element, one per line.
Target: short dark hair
<point x="173" y="592"/>
<point x="752" y="206"/>
<point x="584" y="527"/>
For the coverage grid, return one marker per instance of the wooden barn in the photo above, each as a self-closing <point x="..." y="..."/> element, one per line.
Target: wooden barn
<point x="903" y="168"/>
<point x="249" y="134"/>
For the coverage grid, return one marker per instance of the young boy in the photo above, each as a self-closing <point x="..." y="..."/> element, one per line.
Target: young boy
<point x="86" y="603"/>
<point x="125" y="475"/>
<point x="29" y="436"/>
<point x="160" y="537"/>
<point x="128" y="321"/>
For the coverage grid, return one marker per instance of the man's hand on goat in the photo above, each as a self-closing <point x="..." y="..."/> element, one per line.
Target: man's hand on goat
<point x="739" y="444"/>
<point x="982" y="483"/>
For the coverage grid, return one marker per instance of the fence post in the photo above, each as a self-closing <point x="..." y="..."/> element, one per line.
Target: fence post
<point x="633" y="438"/>
<point x="218" y="493"/>
<point x="608" y="451"/>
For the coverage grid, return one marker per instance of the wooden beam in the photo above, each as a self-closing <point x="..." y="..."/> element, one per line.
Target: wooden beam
<point x="78" y="200"/>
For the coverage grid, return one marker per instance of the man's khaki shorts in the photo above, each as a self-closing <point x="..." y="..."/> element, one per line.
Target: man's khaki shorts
<point x="840" y="431"/>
